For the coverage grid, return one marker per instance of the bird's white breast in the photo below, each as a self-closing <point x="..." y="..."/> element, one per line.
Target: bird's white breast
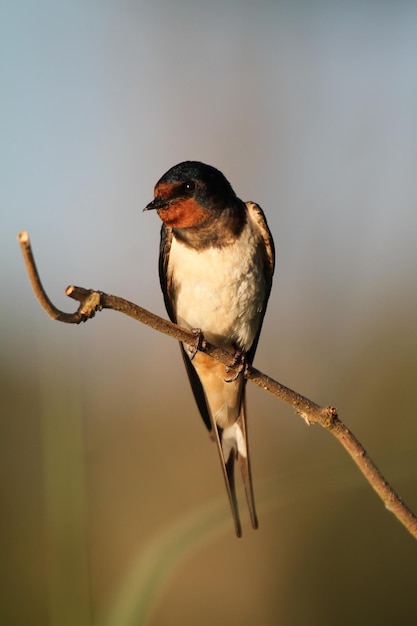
<point x="220" y="290"/>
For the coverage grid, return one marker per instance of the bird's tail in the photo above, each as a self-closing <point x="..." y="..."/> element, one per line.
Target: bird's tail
<point x="245" y="467"/>
<point x="232" y="443"/>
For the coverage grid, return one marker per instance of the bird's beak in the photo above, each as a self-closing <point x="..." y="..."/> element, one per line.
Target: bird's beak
<point x="157" y="203"/>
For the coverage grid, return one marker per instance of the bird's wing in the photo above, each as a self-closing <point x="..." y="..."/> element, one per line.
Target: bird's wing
<point x="166" y="282"/>
<point x="258" y="217"/>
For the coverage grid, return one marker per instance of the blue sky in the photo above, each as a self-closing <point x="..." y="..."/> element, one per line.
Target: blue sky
<point x="308" y="108"/>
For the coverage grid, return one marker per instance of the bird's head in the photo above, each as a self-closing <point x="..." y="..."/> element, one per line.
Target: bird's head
<point x="191" y="194"/>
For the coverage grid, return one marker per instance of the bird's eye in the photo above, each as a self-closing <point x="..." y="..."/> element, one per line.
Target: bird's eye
<point x="189" y="187"/>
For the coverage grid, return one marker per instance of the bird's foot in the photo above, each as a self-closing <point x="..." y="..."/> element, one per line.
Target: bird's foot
<point x="239" y="364"/>
<point x="199" y="343"/>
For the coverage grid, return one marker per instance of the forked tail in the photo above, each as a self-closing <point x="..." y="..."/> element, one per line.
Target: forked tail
<point x="232" y="443"/>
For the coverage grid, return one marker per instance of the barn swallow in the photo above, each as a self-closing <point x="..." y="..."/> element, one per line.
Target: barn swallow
<point x="215" y="267"/>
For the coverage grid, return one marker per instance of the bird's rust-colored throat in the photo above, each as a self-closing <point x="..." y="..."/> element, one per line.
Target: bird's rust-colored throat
<point x="183" y="214"/>
<point x="180" y="212"/>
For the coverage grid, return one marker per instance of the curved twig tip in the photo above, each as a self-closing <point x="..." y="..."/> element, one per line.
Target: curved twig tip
<point x="23" y="236"/>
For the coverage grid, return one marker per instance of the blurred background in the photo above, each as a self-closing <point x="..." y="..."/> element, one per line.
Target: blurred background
<point x="113" y="504"/>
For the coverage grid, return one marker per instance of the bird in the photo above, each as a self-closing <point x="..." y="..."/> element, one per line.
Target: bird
<point x="216" y="263"/>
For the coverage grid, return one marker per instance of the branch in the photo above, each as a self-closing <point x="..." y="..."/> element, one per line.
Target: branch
<point x="91" y="301"/>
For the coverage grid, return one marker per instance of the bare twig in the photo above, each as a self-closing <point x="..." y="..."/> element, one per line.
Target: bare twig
<point x="92" y="301"/>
